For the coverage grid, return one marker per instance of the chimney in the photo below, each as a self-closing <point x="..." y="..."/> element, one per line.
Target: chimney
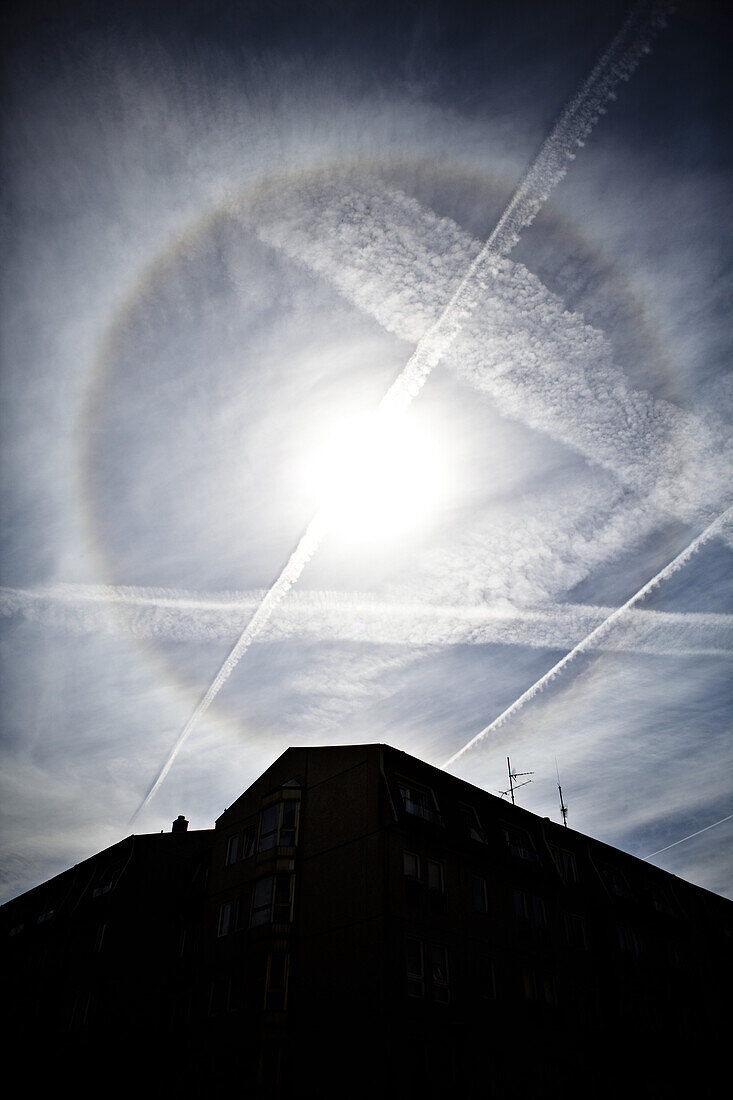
<point x="180" y="825"/>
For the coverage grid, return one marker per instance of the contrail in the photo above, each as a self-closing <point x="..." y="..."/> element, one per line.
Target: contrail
<point x="715" y="528"/>
<point x="684" y="838"/>
<point x="550" y="165"/>
<point x="361" y="617"/>
<point x="302" y="554"/>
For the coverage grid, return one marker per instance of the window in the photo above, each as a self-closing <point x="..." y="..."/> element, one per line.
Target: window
<point x="415" y="969"/>
<point x="262" y="900"/>
<point x="436" y="876"/>
<point x="628" y="940"/>
<point x="574" y="930"/>
<point x="276" y="985"/>
<point x="273" y="899"/>
<point x="486" y="978"/>
<point x="439" y="972"/>
<point x="283" y="898"/>
<point x="232" y="849"/>
<point x="106" y="881"/>
<point x="471" y="823"/>
<point x="420" y="801"/>
<point x="268" y="827"/>
<point x="411" y="865"/>
<point x="566" y="863"/>
<point x="530" y="909"/>
<point x="538" y="987"/>
<point x="278" y="825"/>
<point x="243" y="907"/>
<point x="225" y="919"/>
<point x="219" y="996"/>
<point x="427" y="970"/>
<point x="480" y="901"/>
<point x="249" y="841"/>
<point x="520" y="844"/>
<point x="616" y="882"/>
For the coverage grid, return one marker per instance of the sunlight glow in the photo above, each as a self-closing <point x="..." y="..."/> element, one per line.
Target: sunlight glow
<point x="378" y="475"/>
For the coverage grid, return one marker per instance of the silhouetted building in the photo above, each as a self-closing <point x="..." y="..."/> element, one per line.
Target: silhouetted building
<point x="361" y="924"/>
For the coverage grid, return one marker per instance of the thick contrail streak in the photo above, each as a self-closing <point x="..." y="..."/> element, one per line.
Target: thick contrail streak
<point x="548" y="168"/>
<point x="715" y="528"/>
<point x="684" y="838"/>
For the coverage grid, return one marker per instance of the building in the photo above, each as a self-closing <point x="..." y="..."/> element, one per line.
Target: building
<point x="362" y="924"/>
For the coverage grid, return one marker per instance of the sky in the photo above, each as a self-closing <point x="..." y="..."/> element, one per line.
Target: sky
<point x="228" y="231"/>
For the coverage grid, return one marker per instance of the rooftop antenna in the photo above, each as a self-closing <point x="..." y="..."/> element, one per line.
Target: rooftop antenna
<point x="563" y="807"/>
<point x="512" y="785"/>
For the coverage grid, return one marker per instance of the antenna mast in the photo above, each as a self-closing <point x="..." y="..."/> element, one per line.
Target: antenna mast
<point x="512" y="785"/>
<point x="563" y="807"/>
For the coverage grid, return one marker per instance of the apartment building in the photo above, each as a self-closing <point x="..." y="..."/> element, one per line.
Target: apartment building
<point x="360" y="923"/>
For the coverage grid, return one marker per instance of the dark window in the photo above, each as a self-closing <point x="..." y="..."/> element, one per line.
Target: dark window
<point x="232" y="849"/>
<point x="486" y="978"/>
<point x="538" y="987"/>
<point x="415" y="968"/>
<point x="480" y="901"/>
<point x="420" y="801"/>
<point x="262" y="900"/>
<point x="436" y="876"/>
<point x="244" y="906"/>
<point x="628" y="940"/>
<point x="277" y="982"/>
<point x="574" y="929"/>
<point x="278" y="825"/>
<point x="427" y="969"/>
<point x="283" y="898"/>
<point x="273" y="898"/>
<point x="268" y="827"/>
<point x="249" y="841"/>
<point x="219" y="996"/>
<point x="439" y="972"/>
<point x="566" y="863"/>
<point x="530" y="908"/>
<point x="411" y="865"/>
<point x="520" y="844"/>
<point x="471" y="823"/>
<point x="615" y="881"/>
<point x="225" y="919"/>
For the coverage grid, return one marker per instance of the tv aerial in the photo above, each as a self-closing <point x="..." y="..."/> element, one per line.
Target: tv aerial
<point x="513" y="786"/>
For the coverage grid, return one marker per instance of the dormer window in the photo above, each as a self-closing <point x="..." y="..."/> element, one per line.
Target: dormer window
<point x="520" y="844"/>
<point x="471" y="823"/>
<point x="420" y="801"/>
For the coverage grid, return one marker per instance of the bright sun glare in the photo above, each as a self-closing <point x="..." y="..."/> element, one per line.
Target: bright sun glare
<point x="378" y="475"/>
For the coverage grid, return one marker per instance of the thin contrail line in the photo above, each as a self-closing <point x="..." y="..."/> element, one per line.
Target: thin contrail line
<point x="677" y="563"/>
<point x="684" y="838"/>
<point x="302" y="554"/>
<point x="550" y="165"/>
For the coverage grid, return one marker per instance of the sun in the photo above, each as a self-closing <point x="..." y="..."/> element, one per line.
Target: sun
<point x="378" y="475"/>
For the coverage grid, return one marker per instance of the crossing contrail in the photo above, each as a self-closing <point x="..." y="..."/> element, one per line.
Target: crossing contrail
<point x="548" y="168"/>
<point x="691" y="835"/>
<point x="717" y="527"/>
<point x="361" y="617"/>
